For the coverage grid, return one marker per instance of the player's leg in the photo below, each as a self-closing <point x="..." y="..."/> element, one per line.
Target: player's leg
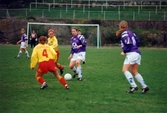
<point x="41" y="80"/>
<point x="34" y="42"/>
<point x="19" y="53"/>
<point x="61" y="79"/>
<point x="84" y="61"/>
<point x="79" y="69"/>
<point x="73" y="68"/>
<point x="26" y="52"/>
<point x="129" y="77"/>
<point x="61" y="68"/>
<point x="31" y="42"/>
<point x="139" y="78"/>
<point x="41" y="70"/>
<point x="52" y="68"/>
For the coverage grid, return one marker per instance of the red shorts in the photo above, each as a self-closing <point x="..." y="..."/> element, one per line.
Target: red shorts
<point x="46" y="66"/>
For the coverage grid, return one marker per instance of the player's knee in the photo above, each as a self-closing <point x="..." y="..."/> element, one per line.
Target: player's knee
<point x="77" y="63"/>
<point x="71" y="67"/>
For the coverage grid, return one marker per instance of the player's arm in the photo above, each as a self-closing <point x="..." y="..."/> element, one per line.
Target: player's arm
<point x="137" y="40"/>
<point x="34" y="59"/>
<point x="18" y="41"/>
<point x="82" y="40"/>
<point x="55" y="43"/>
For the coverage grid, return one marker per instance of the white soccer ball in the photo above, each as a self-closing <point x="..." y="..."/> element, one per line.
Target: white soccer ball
<point x="67" y="76"/>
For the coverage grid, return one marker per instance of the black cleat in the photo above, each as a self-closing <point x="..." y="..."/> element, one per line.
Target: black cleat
<point x="75" y="74"/>
<point x="83" y="62"/>
<point x="16" y="57"/>
<point x="80" y="79"/>
<point x="132" y="89"/>
<point x="44" y="85"/>
<point x="144" y="90"/>
<point x="61" y="71"/>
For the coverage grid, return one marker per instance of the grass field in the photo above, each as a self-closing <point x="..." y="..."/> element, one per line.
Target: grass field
<point x="101" y="91"/>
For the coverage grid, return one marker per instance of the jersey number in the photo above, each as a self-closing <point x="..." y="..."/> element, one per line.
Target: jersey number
<point x="44" y="53"/>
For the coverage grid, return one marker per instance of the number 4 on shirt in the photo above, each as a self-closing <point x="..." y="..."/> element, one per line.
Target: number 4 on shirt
<point x="44" y="53"/>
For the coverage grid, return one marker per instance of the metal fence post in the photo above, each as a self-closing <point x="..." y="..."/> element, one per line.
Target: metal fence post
<point x="74" y="14"/>
<point x="88" y="14"/>
<point x="133" y="16"/>
<point x="66" y="7"/>
<point x="104" y="15"/>
<point x="60" y="14"/>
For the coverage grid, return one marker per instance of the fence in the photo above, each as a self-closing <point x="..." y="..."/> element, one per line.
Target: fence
<point x="87" y="15"/>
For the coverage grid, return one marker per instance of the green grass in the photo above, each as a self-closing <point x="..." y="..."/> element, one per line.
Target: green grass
<point x="101" y="91"/>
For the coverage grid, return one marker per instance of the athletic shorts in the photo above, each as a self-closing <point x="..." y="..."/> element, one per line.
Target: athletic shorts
<point x="46" y="66"/>
<point x="80" y="55"/>
<point x="22" y="45"/>
<point x="132" y="58"/>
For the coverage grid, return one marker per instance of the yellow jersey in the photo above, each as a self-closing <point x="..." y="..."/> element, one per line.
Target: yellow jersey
<point x="42" y="53"/>
<point x="53" y="43"/>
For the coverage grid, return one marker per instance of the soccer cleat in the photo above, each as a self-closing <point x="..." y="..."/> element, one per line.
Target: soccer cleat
<point x="61" y="71"/>
<point x="75" y="74"/>
<point x="80" y="79"/>
<point x="132" y="89"/>
<point x="67" y="87"/>
<point x="16" y="57"/>
<point x="44" y="85"/>
<point x="83" y="62"/>
<point x="28" y="57"/>
<point x="144" y="90"/>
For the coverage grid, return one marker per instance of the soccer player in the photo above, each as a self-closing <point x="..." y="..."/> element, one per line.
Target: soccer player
<point x="23" y="45"/>
<point x="53" y="42"/>
<point x="46" y="56"/>
<point x="129" y="44"/>
<point x="81" y="36"/>
<point x="77" y="54"/>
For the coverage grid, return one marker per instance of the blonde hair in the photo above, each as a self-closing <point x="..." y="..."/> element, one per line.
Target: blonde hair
<point x="123" y="25"/>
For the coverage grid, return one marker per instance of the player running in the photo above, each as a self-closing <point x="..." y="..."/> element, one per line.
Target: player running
<point x="53" y="42"/>
<point x="23" y="45"/>
<point x="130" y="43"/>
<point x="45" y="55"/>
<point x="77" y="54"/>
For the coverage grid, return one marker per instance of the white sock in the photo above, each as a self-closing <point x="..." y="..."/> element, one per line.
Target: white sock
<point x="20" y="52"/>
<point x="130" y="79"/>
<point x="74" y="69"/>
<point x="79" y="71"/>
<point x="139" y="78"/>
<point x="27" y="54"/>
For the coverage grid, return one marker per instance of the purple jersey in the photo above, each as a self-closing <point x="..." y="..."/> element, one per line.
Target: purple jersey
<point x="129" y="42"/>
<point x="76" y="41"/>
<point x="23" y="37"/>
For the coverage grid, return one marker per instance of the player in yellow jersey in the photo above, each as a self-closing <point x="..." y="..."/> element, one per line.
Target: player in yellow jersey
<point x="46" y="57"/>
<point x="53" y="42"/>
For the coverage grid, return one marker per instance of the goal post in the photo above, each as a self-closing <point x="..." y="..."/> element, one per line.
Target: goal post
<point x="59" y="24"/>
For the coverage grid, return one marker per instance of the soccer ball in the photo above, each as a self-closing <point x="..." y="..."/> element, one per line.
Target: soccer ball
<point x="67" y="76"/>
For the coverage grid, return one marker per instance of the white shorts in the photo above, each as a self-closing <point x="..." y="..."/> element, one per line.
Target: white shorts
<point x="77" y="56"/>
<point x="23" y="45"/>
<point x="132" y="58"/>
